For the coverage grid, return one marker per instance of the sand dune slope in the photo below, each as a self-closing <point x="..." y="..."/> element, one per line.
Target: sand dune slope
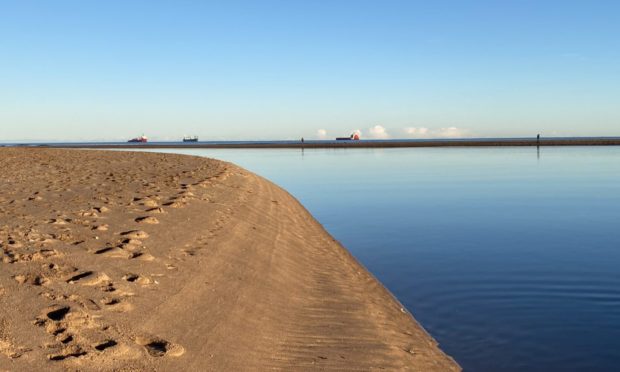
<point x="134" y="261"/>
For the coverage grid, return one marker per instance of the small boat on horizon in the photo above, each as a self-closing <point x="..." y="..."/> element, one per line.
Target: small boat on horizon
<point x="141" y="139"/>
<point x="352" y="137"/>
<point x="190" y="139"/>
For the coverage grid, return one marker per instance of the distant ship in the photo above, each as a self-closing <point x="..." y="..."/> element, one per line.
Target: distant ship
<point x="141" y="139"/>
<point x="190" y="139"/>
<point x="352" y="137"/>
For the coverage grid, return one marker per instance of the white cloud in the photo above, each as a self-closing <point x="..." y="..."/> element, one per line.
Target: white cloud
<point x="416" y="132"/>
<point x="378" y="132"/>
<point x="321" y="134"/>
<point x="452" y="132"/>
<point x="422" y="132"/>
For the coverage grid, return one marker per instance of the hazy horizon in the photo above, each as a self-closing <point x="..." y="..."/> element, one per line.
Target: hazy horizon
<point x="75" y="71"/>
<point x="223" y="140"/>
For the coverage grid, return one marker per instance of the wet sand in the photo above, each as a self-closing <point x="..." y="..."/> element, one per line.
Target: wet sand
<point x="145" y="261"/>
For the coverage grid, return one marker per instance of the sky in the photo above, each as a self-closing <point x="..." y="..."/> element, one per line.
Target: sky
<point x="245" y="70"/>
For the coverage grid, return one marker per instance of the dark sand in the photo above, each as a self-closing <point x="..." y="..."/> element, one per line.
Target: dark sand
<point x="119" y="261"/>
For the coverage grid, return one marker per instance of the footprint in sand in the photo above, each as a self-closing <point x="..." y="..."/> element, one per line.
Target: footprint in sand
<point x="102" y="209"/>
<point x="157" y="347"/>
<point x="147" y="219"/>
<point x="145" y="257"/>
<point x="101" y="346"/>
<point x="114" y="252"/>
<point x="119" y="252"/>
<point x="86" y="303"/>
<point x="72" y="351"/>
<point x="132" y="241"/>
<point x="57" y="221"/>
<point x="79" y="276"/>
<point x="135" y="234"/>
<point x="188" y="252"/>
<point x="51" y="318"/>
<point x="174" y="204"/>
<point x="139" y="279"/>
<point x="91" y="213"/>
<point x="116" y="304"/>
<point x="32" y="279"/>
<point x="156" y="210"/>
<point x="103" y="227"/>
<point x="131" y="245"/>
<point x="36" y="256"/>
<point x="186" y="193"/>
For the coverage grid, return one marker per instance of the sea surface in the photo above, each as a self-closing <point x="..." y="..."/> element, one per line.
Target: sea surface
<point x="509" y="257"/>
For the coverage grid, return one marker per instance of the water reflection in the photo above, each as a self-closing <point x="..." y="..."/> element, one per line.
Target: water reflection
<point x="509" y="262"/>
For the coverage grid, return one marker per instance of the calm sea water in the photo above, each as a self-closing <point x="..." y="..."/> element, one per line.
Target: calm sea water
<point x="510" y="258"/>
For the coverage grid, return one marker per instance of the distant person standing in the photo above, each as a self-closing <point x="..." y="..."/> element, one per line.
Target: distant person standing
<point x="538" y="139"/>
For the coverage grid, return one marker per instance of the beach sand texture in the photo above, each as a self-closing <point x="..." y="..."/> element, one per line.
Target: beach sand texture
<point x="142" y="261"/>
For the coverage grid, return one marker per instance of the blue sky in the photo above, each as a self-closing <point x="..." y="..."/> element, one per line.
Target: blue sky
<point x="109" y="70"/>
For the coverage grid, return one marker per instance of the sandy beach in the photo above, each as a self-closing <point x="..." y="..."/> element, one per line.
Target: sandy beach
<point x="142" y="261"/>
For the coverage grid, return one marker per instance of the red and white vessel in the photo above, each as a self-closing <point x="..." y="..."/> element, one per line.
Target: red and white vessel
<point x="141" y="139"/>
<point x="355" y="136"/>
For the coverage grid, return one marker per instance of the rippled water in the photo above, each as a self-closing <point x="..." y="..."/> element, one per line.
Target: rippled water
<point x="508" y="257"/>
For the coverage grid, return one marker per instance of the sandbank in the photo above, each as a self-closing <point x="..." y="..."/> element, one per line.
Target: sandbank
<point x="161" y="262"/>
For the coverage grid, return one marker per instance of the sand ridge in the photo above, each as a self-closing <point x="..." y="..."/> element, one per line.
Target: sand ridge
<point x="142" y="261"/>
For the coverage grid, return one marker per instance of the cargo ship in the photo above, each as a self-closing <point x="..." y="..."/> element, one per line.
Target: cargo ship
<point x="352" y="137"/>
<point x="190" y="139"/>
<point x="141" y="139"/>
